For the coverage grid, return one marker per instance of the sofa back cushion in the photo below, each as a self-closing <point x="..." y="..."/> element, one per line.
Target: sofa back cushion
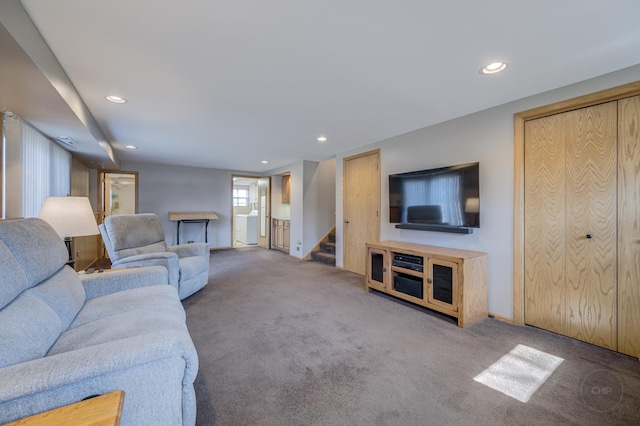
<point x="28" y="328"/>
<point x="63" y="292"/>
<point x="37" y="247"/>
<point x="14" y="281"/>
<point x="39" y="295"/>
<point x="133" y="234"/>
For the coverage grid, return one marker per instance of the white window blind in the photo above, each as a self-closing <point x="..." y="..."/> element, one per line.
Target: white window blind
<point x="60" y="171"/>
<point x="34" y="167"/>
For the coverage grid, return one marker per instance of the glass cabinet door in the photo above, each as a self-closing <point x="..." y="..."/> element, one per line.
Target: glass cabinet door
<point x="377" y="273"/>
<point x="442" y="284"/>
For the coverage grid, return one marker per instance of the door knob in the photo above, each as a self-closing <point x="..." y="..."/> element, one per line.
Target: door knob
<point x="429" y="280"/>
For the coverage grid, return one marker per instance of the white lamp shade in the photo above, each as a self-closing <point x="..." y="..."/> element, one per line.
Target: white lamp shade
<point x="69" y="216"/>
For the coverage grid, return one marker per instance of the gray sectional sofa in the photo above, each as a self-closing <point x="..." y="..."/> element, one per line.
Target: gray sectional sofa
<point x="65" y="337"/>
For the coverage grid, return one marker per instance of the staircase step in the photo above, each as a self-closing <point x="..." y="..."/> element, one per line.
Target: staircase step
<point x="320" y="256"/>
<point x="328" y="247"/>
<point x="332" y="238"/>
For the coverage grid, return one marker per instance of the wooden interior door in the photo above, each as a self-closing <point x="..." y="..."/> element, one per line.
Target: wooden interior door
<point x="591" y="232"/>
<point x="544" y="224"/>
<point x="629" y="226"/>
<point x="361" y="208"/>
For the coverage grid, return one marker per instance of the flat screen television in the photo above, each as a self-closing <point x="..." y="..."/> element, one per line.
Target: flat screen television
<point x="443" y="199"/>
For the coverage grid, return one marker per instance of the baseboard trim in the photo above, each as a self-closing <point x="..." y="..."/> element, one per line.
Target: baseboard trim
<point x="501" y="318"/>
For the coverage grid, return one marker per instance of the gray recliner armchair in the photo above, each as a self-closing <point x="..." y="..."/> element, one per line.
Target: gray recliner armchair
<point x="139" y="240"/>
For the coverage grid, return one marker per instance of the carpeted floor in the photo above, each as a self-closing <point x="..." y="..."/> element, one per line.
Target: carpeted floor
<point x="287" y="342"/>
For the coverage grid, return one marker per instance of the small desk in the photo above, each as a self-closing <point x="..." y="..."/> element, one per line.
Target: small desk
<point x="103" y="410"/>
<point x="192" y="217"/>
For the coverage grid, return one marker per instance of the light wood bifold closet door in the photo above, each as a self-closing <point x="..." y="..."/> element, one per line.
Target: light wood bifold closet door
<point x="591" y="224"/>
<point x="544" y="224"/>
<point x="629" y="226"/>
<point x="570" y="224"/>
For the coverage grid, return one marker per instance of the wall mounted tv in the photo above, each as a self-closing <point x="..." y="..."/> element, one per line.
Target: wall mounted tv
<point x="446" y="199"/>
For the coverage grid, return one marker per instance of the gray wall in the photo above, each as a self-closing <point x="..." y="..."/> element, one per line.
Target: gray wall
<point x="164" y="188"/>
<point x="312" y="206"/>
<point x="319" y="202"/>
<point x="487" y="137"/>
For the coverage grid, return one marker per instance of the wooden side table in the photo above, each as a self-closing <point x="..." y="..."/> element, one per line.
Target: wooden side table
<point x="192" y="217"/>
<point x="103" y="410"/>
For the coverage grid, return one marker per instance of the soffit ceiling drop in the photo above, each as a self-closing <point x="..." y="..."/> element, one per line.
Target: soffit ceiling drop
<point x="227" y="84"/>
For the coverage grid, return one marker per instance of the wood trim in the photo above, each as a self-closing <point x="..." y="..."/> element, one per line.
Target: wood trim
<point x="232" y="216"/>
<point x="362" y="154"/>
<point x="100" y="201"/>
<point x="613" y="94"/>
<point x="501" y="318"/>
<point x="518" y="223"/>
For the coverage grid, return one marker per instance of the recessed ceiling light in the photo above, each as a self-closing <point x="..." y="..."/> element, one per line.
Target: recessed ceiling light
<point x="264" y="162"/>
<point x="493" y="68"/>
<point x="116" y="99"/>
<point x="321" y="138"/>
<point x="131" y="147"/>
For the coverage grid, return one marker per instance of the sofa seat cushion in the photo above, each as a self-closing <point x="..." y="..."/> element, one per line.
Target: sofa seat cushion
<point x="122" y="315"/>
<point x="159" y="297"/>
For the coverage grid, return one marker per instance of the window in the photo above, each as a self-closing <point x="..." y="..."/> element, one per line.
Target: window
<point x="34" y="167"/>
<point x="240" y="197"/>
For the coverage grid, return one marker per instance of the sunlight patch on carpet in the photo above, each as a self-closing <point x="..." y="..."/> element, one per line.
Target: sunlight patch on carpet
<point x="520" y="373"/>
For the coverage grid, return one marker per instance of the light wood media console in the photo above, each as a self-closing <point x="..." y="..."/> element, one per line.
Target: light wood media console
<point x="450" y="281"/>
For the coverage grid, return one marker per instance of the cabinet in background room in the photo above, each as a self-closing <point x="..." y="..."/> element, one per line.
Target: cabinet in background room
<point x="286" y="189"/>
<point x="280" y="234"/>
<point x="450" y="281"/>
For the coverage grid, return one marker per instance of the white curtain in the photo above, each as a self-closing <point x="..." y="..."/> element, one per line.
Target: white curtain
<point x="34" y="167"/>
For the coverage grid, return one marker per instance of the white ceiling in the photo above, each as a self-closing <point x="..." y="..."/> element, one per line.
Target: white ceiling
<point x="226" y="84"/>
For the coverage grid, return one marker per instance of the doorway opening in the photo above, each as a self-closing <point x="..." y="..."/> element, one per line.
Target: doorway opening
<point x="250" y="211"/>
<point x="117" y="194"/>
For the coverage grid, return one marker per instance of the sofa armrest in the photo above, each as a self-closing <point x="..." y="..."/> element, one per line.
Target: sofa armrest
<point x="89" y="370"/>
<point x="96" y="285"/>
<point x="165" y="258"/>
<point x="192" y="249"/>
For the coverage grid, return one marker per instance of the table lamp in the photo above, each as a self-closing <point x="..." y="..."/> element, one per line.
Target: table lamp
<point x="70" y="217"/>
